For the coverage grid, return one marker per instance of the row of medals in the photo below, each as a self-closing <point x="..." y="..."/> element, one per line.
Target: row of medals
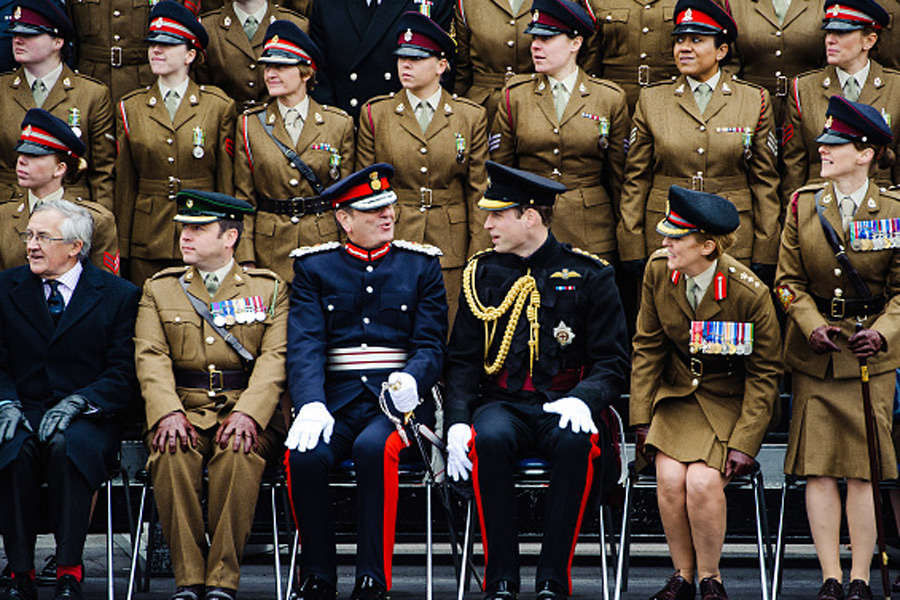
<point x="242" y="310"/>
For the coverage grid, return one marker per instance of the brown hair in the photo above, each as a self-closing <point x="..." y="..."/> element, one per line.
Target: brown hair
<point x="884" y="155"/>
<point x="75" y="167"/>
<point x="723" y="241"/>
<point x="308" y="70"/>
<point x="545" y="212"/>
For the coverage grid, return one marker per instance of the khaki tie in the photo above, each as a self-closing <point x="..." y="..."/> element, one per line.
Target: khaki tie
<point x="39" y="91"/>
<point x="211" y="281"/>
<point x="848" y="207"/>
<point x="702" y="95"/>
<point x="781" y="8"/>
<point x="693" y="294"/>
<point x="171" y="102"/>
<point x="560" y="99"/>
<point x="293" y="122"/>
<point x="514" y="6"/>
<point x="851" y="89"/>
<point x="250" y="26"/>
<point x="423" y="115"/>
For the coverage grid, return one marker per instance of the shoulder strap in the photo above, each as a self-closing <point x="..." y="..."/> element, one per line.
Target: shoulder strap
<point x="203" y="311"/>
<point x="292" y="157"/>
<point x="856" y="280"/>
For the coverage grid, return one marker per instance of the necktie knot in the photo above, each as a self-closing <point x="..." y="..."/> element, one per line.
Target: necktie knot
<point x="560" y="98"/>
<point x="293" y="122"/>
<point x="423" y="115"/>
<point x="693" y="293"/>
<point x="848" y="208"/>
<point x="211" y="281"/>
<point x="702" y="95"/>
<point x="851" y="89"/>
<point x="171" y="100"/>
<point x="250" y="27"/>
<point x="55" y="302"/>
<point x="39" y="91"/>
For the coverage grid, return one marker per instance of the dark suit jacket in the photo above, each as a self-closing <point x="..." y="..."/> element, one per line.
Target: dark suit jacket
<point x="90" y="352"/>
<point x="359" y="49"/>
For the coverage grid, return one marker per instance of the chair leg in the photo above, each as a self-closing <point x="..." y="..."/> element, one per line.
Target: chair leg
<point x="429" y="557"/>
<point x="136" y="546"/>
<point x="290" y="582"/>
<point x="110" y="571"/>
<point x="278" y="590"/>
<point x="151" y="544"/>
<point x="624" y="542"/>
<point x="605" y="571"/>
<point x="779" y="545"/>
<point x="757" y="483"/>
<point x="464" y="572"/>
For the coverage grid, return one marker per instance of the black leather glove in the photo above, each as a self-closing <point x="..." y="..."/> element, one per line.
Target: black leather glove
<point x="11" y="416"/>
<point x="60" y="416"/>
<point x="765" y="273"/>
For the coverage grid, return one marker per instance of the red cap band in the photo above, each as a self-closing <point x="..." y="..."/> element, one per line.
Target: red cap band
<point x="845" y="13"/>
<point x="675" y="219"/>
<point x="172" y="27"/>
<point x="360" y="191"/>
<point x="30" y="17"/>
<point x="40" y="137"/>
<point x="277" y="43"/>
<point x="550" y="21"/>
<point x="692" y="15"/>
<point x="410" y="37"/>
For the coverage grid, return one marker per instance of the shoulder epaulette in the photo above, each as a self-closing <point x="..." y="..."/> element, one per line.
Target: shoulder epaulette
<point x="737" y="79"/>
<point x="743" y="275"/>
<point x="806" y="74"/>
<point x="417" y="247"/>
<point x="209" y="13"/>
<point x="170" y="271"/>
<point x="520" y="79"/>
<point x="464" y="100"/>
<point x="254" y="109"/>
<point x="215" y="91"/>
<point x="287" y="11"/>
<point x="606" y="83"/>
<point x="81" y="75"/>
<point x="480" y="253"/>
<point x="594" y="257"/>
<point x="811" y="187"/>
<point x="315" y="249"/>
<point x="892" y="192"/>
<point x="659" y="253"/>
<point x="5" y="73"/>
<point x="261" y="272"/>
<point x="381" y="98"/>
<point x="336" y="110"/>
<point x="133" y="93"/>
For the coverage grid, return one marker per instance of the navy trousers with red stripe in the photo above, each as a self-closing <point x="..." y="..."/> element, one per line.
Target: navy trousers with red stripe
<point x="363" y="433"/>
<point x="506" y="432"/>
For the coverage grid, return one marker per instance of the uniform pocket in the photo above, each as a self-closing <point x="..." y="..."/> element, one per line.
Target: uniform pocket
<point x="184" y="332"/>
<point x="396" y="310"/>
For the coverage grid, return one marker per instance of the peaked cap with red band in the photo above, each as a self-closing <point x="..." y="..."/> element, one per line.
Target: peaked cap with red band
<point x="849" y="15"/>
<point x="172" y="24"/>
<point x="34" y="17"/>
<point x="690" y="211"/>
<point x="704" y="17"/>
<point x="42" y="133"/>
<point x="847" y="122"/>
<point x="367" y="189"/>
<point x="420" y="37"/>
<point x="287" y="44"/>
<point x="552" y="17"/>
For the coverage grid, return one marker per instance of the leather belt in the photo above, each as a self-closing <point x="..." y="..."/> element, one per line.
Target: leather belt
<point x="171" y="186"/>
<point x="212" y="381"/>
<point x="492" y="80"/>
<point x="835" y="309"/>
<point x="710" y="364"/>
<point x="293" y="207"/>
<point x="116" y="56"/>
<point x="698" y="182"/>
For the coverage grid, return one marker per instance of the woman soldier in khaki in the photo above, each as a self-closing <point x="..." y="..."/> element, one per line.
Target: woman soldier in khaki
<point x="842" y="306"/>
<point x="704" y="131"/>
<point x="852" y="28"/>
<point x="173" y="134"/>
<point x="703" y="381"/>
<point x="288" y="214"/>
<point x="563" y="124"/>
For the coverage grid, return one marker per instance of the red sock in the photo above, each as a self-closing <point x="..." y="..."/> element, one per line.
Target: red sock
<point x="28" y="574"/>
<point x="75" y="571"/>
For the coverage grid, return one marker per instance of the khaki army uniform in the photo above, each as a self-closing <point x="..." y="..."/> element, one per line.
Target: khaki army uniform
<point x="773" y="53"/>
<point x="887" y="50"/>
<point x="806" y="117"/>
<point x="303" y="7"/>
<point x="173" y="342"/>
<point x="14" y="216"/>
<point x="827" y="403"/>
<point x="438" y="183"/>
<point x="700" y="405"/>
<point x="673" y="144"/>
<point x="569" y="151"/>
<point x="231" y="58"/>
<point x="262" y="173"/>
<point x="71" y="91"/>
<point x="110" y="42"/>
<point x="157" y="158"/>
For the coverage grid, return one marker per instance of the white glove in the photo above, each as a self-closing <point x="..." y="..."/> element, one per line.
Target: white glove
<point x="312" y="420"/>
<point x="574" y="413"/>
<point x="458" y="464"/>
<point x="404" y="391"/>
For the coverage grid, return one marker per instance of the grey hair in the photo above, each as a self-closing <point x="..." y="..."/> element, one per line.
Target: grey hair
<point x="77" y="223"/>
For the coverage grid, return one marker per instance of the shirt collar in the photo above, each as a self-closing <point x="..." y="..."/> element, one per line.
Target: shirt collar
<point x="69" y="279"/>
<point x="181" y="88"/>
<point x="712" y="82"/>
<point x="34" y="201"/>
<point x="860" y="76"/>
<point x="704" y="279"/>
<point x="432" y="101"/>
<point x="857" y="196"/>
<point x="221" y="274"/>
<point x="260" y="14"/>
<point x="49" y="79"/>
<point x="302" y="107"/>
<point x="365" y="254"/>
<point x="568" y="82"/>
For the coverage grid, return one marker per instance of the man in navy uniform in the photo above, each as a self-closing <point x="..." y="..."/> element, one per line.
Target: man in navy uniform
<point x="66" y="374"/>
<point x="556" y="358"/>
<point x="366" y="312"/>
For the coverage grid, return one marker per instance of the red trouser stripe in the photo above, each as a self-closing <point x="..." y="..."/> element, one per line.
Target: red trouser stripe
<point x="593" y="453"/>
<point x="290" y="487"/>
<point x="392" y="447"/>
<point x="473" y="456"/>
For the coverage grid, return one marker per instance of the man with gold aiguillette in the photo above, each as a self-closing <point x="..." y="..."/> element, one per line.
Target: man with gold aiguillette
<point x="536" y="356"/>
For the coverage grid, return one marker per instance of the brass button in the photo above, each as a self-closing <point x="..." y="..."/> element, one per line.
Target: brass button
<point x="510" y="43"/>
<point x="423" y="169"/>
<point x="700" y="150"/>
<point x="354" y="102"/>
<point x="210" y="340"/>
<point x="251" y="83"/>
<point x="387" y="76"/>
<point x="646" y="30"/>
<point x="703" y="128"/>
<point x="117" y="13"/>
<point x="251" y="66"/>
<point x="353" y="76"/>
<point x="423" y="150"/>
<point x="170" y="141"/>
<point x="171" y="159"/>
<point x="778" y="53"/>
<point x="369" y="269"/>
<point x="369" y="289"/>
<point x="366" y="320"/>
<point x="293" y="182"/>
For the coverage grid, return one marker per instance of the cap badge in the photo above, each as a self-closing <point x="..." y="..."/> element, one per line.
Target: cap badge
<point x="688" y="15"/>
<point x="274" y="39"/>
<point x="535" y="16"/>
<point x="227" y="21"/>
<point x="836" y="10"/>
<point x="828" y="122"/>
<point x="17" y="14"/>
<point x="27" y="130"/>
<point x="563" y="334"/>
<point x="408" y="36"/>
<point x="152" y="101"/>
<point x="158" y="23"/>
<point x="375" y="181"/>
<point x="877" y="82"/>
<point x="189" y="203"/>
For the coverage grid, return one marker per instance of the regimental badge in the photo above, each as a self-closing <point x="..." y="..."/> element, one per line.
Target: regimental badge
<point x="408" y="36"/>
<point x="535" y="16"/>
<point x="721" y="337"/>
<point x="565" y="274"/>
<point x="152" y="101"/>
<point x="198" y="140"/>
<point x="17" y="14"/>
<point x="835" y="10"/>
<point x="28" y="131"/>
<point x="189" y="203"/>
<point x="828" y="122"/>
<point x="872" y="235"/>
<point x="227" y="22"/>
<point x="460" y="148"/>
<point x="786" y="296"/>
<point x="877" y="82"/>
<point x="563" y="334"/>
<point x="826" y="82"/>
<point x="688" y="15"/>
<point x="74" y="121"/>
<point x="274" y="39"/>
<point x="375" y="181"/>
<point x="158" y="23"/>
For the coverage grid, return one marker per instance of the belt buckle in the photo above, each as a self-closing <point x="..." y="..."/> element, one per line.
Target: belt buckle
<point x="298" y="206"/>
<point x="696" y="367"/>
<point x="213" y="387"/>
<point x="643" y="75"/>
<point x="174" y="186"/>
<point x="697" y="182"/>
<point x="781" y="86"/>
<point x="426" y="198"/>
<point x="838" y="306"/>
<point x="115" y="56"/>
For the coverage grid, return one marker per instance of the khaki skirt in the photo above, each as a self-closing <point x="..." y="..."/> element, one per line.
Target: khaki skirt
<point x="679" y="429"/>
<point x="828" y="429"/>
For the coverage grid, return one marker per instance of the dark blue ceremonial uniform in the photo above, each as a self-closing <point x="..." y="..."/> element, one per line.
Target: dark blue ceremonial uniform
<point x="346" y="297"/>
<point x="582" y="353"/>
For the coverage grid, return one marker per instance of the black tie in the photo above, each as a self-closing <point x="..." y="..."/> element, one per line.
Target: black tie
<point x="55" y="302"/>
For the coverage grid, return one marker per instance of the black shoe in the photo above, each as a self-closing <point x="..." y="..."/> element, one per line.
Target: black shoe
<point x="68" y="588"/>
<point x="188" y="592"/>
<point x="367" y="588"/>
<point x="676" y="588"/>
<point x="21" y="588"/>
<point x="315" y="588"/>
<point x="830" y="590"/>
<point x="859" y="590"/>
<point x="550" y="590"/>
<point x="220" y="593"/>
<point x="502" y="590"/>
<point x="712" y="589"/>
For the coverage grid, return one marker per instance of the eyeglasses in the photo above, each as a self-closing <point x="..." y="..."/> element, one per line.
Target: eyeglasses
<point x="43" y="239"/>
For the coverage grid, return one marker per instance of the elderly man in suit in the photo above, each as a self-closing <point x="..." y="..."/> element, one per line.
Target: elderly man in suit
<point x="66" y="372"/>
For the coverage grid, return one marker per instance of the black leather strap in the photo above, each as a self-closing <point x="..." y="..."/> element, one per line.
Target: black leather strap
<point x="836" y="309"/>
<point x="292" y="207"/>
<point x="212" y="380"/>
<point x="203" y="310"/>
<point x="296" y="162"/>
<point x="856" y="280"/>
<point x="710" y="364"/>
